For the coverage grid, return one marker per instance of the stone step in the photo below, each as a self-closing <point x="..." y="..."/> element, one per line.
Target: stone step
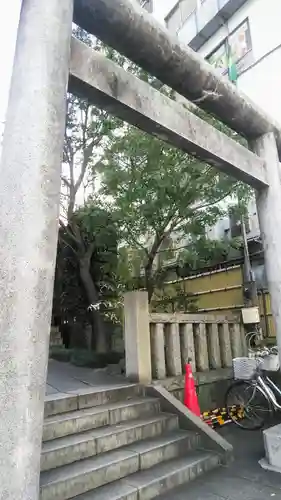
<point x="90" y="397"/>
<point x="72" y="480"/>
<point x="65" y="424"/>
<point x="164" y="447"/>
<point x="76" y="447"/>
<point x="164" y="477"/>
<point x="145" y="485"/>
<point x="118" y="490"/>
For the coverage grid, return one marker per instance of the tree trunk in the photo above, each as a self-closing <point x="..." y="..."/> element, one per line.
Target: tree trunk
<point x="148" y="281"/>
<point x="93" y="298"/>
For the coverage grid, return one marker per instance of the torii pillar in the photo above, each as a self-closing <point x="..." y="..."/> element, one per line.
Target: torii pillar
<point x="29" y="209"/>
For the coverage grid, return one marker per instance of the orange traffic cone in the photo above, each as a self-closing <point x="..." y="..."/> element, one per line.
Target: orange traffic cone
<point x="190" y="396"/>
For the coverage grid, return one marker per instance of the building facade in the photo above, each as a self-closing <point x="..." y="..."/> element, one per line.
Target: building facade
<point x="242" y="39"/>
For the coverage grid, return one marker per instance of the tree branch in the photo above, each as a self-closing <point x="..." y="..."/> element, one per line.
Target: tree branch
<point x="89" y="251"/>
<point x="136" y="242"/>
<point x="69" y="233"/>
<point x="200" y="207"/>
<point x="67" y="244"/>
<point x="65" y="181"/>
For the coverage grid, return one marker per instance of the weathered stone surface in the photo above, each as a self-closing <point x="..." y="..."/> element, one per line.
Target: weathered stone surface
<point x="132" y="409"/>
<point x="190" y="318"/>
<point x="89" y="397"/>
<point x="158" y="351"/>
<point x="124" y="434"/>
<point x="213" y="346"/>
<point x="76" y="447"/>
<point x="167" y="476"/>
<point x="201" y="347"/>
<point x="114" y="491"/>
<point x="29" y="207"/>
<point x="187" y="346"/>
<point x="225" y="345"/>
<point x="166" y="447"/>
<point x="173" y="349"/>
<point x="90" y="418"/>
<point x="137" y="337"/>
<point x="110" y="87"/>
<point x="138" y="35"/>
<point x="75" y="479"/>
<point x="60" y="403"/>
<point x="272" y="444"/>
<point x="235" y="340"/>
<point x="269" y="206"/>
<point x="70" y="423"/>
<point x="211" y="440"/>
<point x="67" y="450"/>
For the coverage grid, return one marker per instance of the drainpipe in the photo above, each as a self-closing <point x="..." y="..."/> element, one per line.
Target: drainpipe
<point x="250" y="288"/>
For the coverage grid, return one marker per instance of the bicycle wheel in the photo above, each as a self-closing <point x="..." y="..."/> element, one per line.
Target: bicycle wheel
<point x="252" y="406"/>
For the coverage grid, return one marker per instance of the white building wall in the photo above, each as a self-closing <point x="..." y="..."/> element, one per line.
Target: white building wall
<point x="161" y="9"/>
<point x="261" y="81"/>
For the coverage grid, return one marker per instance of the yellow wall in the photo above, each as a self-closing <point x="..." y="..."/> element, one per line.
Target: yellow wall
<point x="221" y="291"/>
<point x="270" y="330"/>
<point x="216" y="290"/>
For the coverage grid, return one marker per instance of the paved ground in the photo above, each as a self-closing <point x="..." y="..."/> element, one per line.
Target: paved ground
<point x="244" y="479"/>
<point x="64" y="377"/>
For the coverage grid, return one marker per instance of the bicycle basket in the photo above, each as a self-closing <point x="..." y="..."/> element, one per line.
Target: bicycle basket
<point x="244" y="368"/>
<point x="270" y="363"/>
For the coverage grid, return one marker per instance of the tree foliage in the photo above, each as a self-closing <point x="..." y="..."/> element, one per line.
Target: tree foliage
<point x="155" y="194"/>
<point x="160" y="194"/>
<point x="88" y="133"/>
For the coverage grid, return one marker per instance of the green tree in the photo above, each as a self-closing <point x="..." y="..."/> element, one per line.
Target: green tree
<point x="89" y="131"/>
<point x="98" y="232"/>
<point x="157" y="191"/>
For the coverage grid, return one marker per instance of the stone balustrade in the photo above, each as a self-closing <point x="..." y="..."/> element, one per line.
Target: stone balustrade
<point x="159" y="345"/>
<point x="208" y="342"/>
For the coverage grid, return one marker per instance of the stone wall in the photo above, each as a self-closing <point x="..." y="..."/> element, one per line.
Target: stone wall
<point x="211" y="387"/>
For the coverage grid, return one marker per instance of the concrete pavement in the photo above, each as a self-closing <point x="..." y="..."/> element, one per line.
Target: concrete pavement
<point x="65" y="377"/>
<point x="244" y="479"/>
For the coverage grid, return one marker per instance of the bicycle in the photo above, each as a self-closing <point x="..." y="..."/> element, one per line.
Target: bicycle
<point x="253" y="394"/>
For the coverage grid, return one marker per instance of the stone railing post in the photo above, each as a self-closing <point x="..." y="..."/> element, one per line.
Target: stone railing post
<point x="137" y="337"/>
<point x="158" y="351"/>
<point x="225" y="345"/>
<point x="173" y="350"/>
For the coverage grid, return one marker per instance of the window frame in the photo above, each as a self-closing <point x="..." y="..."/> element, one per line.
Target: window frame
<point x="226" y="44"/>
<point x="177" y="7"/>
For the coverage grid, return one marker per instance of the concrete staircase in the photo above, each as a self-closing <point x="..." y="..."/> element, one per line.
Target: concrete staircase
<point x="116" y="444"/>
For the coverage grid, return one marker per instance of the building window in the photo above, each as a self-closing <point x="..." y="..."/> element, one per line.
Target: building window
<point x="235" y="222"/>
<point x="218" y="58"/>
<point x="179" y="14"/>
<point x="233" y="50"/>
<point x="147" y="5"/>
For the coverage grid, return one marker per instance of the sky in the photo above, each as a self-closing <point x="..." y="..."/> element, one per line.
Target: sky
<point x="9" y="15"/>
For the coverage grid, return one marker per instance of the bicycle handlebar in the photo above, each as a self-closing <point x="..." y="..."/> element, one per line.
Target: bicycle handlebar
<point x="266" y="352"/>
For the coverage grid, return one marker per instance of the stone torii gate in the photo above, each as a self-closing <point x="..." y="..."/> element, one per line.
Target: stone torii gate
<point x="30" y="178"/>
